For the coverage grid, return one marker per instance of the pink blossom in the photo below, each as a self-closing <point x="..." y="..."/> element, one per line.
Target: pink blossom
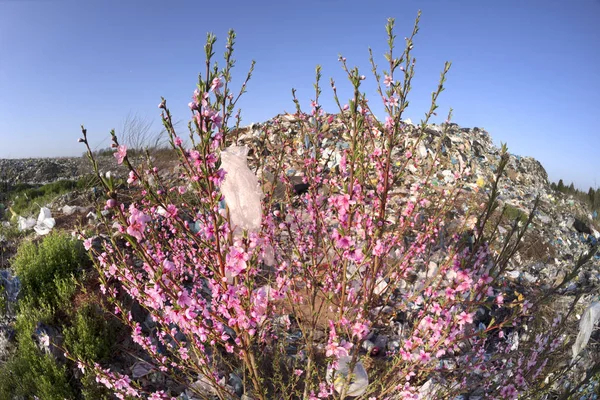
<point x="500" y="299"/>
<point x="236" y="261"/>
<point x="360" y="329"/>
<point x="121" y="153"/>
<point x="137" y="223"/>
<point x="464" y="318"/>
<point x="81" y="366"/>
<point x="216" y="85"/>
<point x="389" y="122"/>
<point x="132" y="177"/>
<point x="424" y="356"/>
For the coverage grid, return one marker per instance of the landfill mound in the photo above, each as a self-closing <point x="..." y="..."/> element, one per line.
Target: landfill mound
<point x="40" y="171"/>
<point x="562" y="230"/>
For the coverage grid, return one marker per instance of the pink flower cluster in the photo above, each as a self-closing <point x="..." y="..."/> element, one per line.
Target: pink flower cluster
<point x="345" y="261"/>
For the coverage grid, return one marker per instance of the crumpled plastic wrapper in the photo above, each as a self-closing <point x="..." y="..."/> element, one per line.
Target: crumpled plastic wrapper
<point x="589" y="319"/>
<point x="241" y="189"/>
<point x="359" y="380"/>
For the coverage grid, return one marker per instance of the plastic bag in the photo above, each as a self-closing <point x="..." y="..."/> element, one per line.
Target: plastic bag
<point x="45" y="222"/>
<point x="588" y="320"/>
<point x="241" y="189"/>
<point x="25" y="223"/>
<point x="359" y="380"/>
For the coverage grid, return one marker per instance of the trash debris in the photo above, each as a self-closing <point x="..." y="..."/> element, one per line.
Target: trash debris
<point x="40" y="171"/>
<point x="25" y="224"/>
<point x="70" y="210"/>
<point x="49" y="340"/>
<point x="241" y="189"/>
<point x="45" y="222"/>
<point x="205" y="388"/>
<point x="588" y="321"/>
<point x="12" y="287"/>
<point x="141" y="369"/>
<point x="42" y="226"/>
<point x="359" y="380"/>
<point x="562" y="227"/>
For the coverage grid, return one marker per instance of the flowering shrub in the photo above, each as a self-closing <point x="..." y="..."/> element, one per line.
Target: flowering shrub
<point x="354" y="282"/>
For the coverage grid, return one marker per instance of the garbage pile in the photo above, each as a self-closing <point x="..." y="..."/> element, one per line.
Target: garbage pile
<point x="563" y="228"/>
<point x="40" y="171"/>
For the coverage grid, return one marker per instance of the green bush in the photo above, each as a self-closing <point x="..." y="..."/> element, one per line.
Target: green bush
<point x="89" y="338"/>
<point x="47" y="270"/>
<point x="10" y="232"/>
<point x="92" y="390"/>
<point x="27" y="200"/>
<point x="29" y="372"/>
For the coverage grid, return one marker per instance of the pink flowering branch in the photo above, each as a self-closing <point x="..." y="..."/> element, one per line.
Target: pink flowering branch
<point x="366" y="248"/>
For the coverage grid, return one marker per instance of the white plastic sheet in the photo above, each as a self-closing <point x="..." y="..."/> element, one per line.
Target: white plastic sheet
<point x="359" y="380"/>
<point x="588" y="321"/>
<point x="42" y="226"/>
<point x="141" y="369"/>
<point x="25" y="224"/>
<point x="241" y="189"/>
<point x="45" y="222"/>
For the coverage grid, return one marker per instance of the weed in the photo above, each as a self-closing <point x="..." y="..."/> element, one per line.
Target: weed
<point x="47" y="270"/>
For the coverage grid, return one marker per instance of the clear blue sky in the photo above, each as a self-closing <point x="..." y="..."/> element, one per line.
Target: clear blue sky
<point x="528" y="71"/>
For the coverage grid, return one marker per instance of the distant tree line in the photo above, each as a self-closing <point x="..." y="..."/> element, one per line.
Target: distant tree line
<point x="592" y="197"/>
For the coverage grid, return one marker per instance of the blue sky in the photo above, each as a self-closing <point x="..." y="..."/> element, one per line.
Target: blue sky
<point x="525" y="70"/>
